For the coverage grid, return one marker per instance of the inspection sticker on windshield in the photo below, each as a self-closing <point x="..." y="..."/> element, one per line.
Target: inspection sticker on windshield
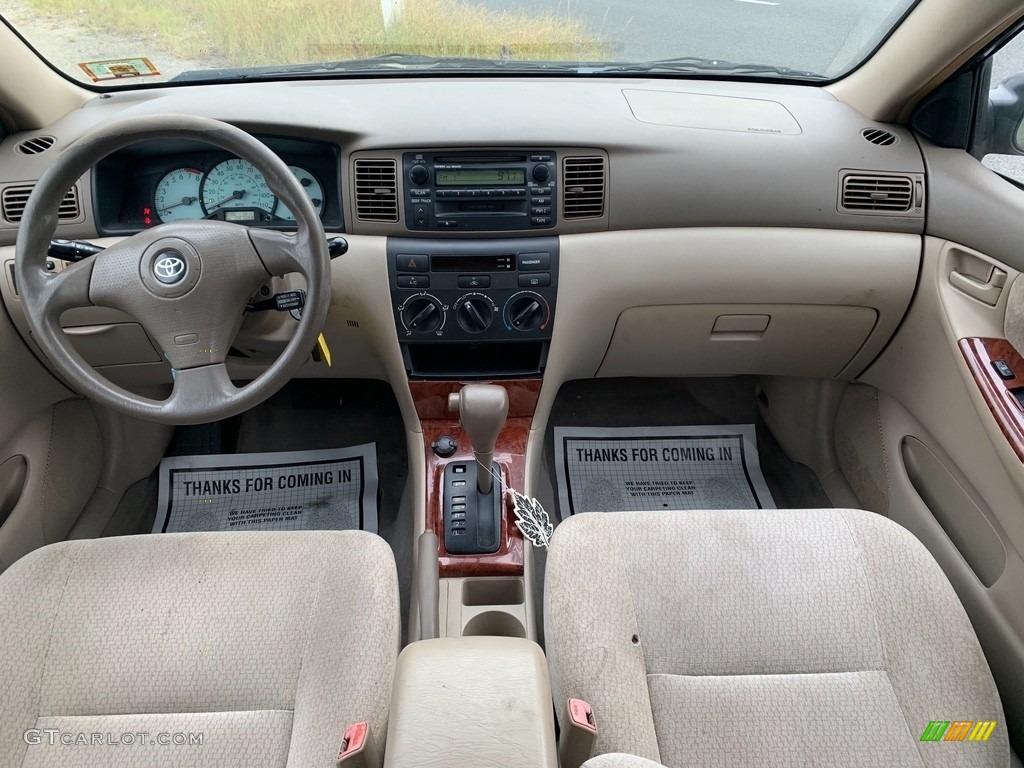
<point x="117" y="69"/>
<point x="332" y="489"/>
<point x="658" y="468"/>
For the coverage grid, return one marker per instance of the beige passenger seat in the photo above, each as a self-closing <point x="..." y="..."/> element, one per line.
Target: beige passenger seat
<point x="765" y="638"/>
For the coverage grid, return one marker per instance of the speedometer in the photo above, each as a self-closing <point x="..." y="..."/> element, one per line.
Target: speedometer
<point x="236" y="183"/>
<point x="314" y="191"/>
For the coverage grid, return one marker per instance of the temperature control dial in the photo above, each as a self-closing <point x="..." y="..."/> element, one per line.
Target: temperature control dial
<point x="526" y="311"/>
<point x="474" y="312"/>
<point x="422" y="313"/>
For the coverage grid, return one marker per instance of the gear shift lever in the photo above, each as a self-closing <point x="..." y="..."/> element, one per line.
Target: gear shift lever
<point x="482" y="409"/>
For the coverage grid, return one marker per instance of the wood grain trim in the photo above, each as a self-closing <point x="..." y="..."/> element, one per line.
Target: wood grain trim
<point x="431" y="399"/>
<point x="979" y="353"/>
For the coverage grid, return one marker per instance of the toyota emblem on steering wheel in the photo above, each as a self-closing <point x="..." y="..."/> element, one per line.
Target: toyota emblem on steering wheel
<point x="169" y="268"/>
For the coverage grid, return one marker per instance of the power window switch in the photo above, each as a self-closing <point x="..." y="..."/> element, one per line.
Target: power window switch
<point x="1003" y="369"/>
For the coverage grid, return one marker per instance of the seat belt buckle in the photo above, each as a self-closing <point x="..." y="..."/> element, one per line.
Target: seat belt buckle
<point x="579" y="734"/>
<point x="357" y="749"/>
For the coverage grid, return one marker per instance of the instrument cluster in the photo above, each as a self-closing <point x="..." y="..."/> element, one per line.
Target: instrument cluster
<point x="160" y="182"/>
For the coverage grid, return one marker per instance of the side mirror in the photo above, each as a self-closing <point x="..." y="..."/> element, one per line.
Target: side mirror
<point x="1004" y="126"/>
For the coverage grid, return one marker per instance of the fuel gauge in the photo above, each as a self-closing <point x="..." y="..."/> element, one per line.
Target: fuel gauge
<point x="314" y="191"/>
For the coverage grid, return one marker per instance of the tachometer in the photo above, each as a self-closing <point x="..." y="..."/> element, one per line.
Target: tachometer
<point x="236" y="184"/>
<point x="314" y="190"/>
<point x="177" y="197"/>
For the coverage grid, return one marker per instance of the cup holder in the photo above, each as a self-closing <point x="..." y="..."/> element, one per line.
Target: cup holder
<point x="497" y="623"/>
<point x="492" y="591"/>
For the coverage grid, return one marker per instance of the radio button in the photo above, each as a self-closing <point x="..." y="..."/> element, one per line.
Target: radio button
<point x="474" y="281"/>
<point x="413" y="281"/>
<point x="412" y="262"/>
<point x="520" y="192"/>
<point x="540" y="191"/>
<point x="540" y="221"/>
<point x="419" y="174"/>
<point x="541" y="201"/>
<point x="534" y="262"/>
<point x="447" y="224"/>
<point x="536" y="280"/>
<point x="540" y="210"/>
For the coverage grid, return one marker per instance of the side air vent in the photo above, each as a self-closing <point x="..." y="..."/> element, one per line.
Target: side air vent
<point x="14" y="200"/>
<point x="881" y="194"/>
<point x="376" y="190"/>
<point x="583" y="187"/>
<point x="35" y="145"/>
<point x="880" y="137"/>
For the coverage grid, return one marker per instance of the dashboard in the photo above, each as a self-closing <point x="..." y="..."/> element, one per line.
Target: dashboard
<point x="522" y="227"/>
<point x="155" y="183"/>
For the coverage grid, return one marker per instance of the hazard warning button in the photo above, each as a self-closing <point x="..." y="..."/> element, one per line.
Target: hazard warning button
<point x="412" y="262"/>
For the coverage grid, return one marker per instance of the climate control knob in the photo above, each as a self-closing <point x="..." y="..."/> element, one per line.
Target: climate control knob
<point x="526" y="311"/>
<point x="422" y="314"/>
<point x="474" y="312"/>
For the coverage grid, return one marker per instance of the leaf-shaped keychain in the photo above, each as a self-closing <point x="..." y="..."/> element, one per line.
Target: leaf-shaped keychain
<point x="531" y="519"/>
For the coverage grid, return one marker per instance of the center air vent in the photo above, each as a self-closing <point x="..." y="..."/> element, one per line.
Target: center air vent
<point x="376" y="190"/>
<point x="35" y="145"/>
<point x="882" y="194"/>
<point x="583" y="187"/>
<point x="880" y="136"/>
<point x="14" y="200"/>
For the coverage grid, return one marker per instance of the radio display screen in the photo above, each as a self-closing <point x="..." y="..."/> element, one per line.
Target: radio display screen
<point x="471" y="177"/>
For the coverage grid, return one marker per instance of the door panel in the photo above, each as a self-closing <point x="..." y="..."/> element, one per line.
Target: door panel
<point x="951" y="474"/>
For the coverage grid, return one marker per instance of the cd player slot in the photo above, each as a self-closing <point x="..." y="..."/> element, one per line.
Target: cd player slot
<point x="460" y="160"/>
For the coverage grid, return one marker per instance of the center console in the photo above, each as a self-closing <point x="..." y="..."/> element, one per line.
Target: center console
<point x="473" y="275"/>
<point x="496" y="692"/>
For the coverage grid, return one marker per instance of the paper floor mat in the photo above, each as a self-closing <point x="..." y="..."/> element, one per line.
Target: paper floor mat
<point x="332" y="489"/>
<point x="658" y="468"/>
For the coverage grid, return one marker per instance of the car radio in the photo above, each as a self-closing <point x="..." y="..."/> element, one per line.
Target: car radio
<point x="480" y="191"/>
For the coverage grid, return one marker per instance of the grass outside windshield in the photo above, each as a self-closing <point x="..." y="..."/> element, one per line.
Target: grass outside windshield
<point x="828" y="37"/>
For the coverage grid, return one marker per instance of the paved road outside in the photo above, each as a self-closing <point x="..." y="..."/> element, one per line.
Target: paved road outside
<point x="801" y="34"/>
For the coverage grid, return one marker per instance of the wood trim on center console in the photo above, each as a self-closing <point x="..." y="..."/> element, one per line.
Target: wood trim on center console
<point x="431" y="399"/>
<point x="980" y="353"/>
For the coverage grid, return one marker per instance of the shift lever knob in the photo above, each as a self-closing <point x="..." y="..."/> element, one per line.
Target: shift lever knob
<point x="482" y="410"/>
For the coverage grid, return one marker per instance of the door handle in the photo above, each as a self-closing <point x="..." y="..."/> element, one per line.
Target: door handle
<point x="985" y="292"/>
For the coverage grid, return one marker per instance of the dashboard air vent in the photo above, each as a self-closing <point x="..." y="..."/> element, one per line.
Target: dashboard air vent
<point x="376" y="190"/>
<point x="880" y="137"/>
<point x="14" y="200"/>
<point x="583" y="187"/>
<point x="862" y="193"/>
<point x="35" y="145"/>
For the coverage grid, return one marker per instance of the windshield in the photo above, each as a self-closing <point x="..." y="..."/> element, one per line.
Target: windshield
<point x="131" y="42"/>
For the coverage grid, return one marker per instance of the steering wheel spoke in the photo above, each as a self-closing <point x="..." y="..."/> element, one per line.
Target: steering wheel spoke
<point x="203" y="387"/>
<point x="282" y="252"/>
<point x="67" y="289"/>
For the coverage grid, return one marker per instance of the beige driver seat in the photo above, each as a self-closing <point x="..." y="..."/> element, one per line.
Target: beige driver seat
<point x="763" y="638"/>
<point x="263" y="646"/>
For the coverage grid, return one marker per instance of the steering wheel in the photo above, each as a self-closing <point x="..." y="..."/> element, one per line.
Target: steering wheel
<point x="187" y="283"/>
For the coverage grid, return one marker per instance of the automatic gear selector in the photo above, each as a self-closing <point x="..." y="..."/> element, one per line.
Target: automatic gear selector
<point x="473" y="490"/>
